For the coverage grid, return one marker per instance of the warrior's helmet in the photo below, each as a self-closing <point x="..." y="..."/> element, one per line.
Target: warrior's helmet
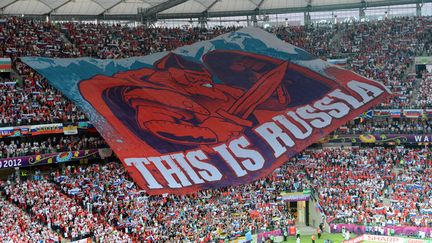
<point x="184" y="71"/>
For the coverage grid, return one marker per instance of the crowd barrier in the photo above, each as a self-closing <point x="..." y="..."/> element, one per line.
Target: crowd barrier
<point x="383" y="238"/>
<point x="379" y="138"/>
<point x="45" y="129"/>
<point x="60" y="157"/>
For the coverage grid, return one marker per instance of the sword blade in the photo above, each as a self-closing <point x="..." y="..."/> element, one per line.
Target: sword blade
<point x="259" y="92"/>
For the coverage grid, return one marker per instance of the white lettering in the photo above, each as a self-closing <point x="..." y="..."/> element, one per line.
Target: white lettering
<point x="227" y="156"/>
<point x="253" y="159"/>
<point x="363" y="89"/>
<point x="139" y="164"/>
<point x="275" y="137"/>
<point x="168" y="172"/>
<point x="348" y="98"/>
<point x="320" y="119"/>
<point x="336" y="110"/>
<point x="180" y="158"/>
<point x="208" y="171"/>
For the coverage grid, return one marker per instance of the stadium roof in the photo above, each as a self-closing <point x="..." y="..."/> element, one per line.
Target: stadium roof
<point x="182" y="8"/>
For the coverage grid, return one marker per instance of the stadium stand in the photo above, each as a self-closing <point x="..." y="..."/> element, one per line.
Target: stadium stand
<point x="115" y="41"/>
<point x="359" y="186"/>
<point x="388" y="126"/>
<point x="360" y="42"/>
<point x="367" y="186"/>
<point x="18" y="226"/>
<point x="51" y="144"/>
<point x="48" y="205"/>
<point x="425" y="99"/>
<point x="207" y="214"/>
<point x="353" y="185"/>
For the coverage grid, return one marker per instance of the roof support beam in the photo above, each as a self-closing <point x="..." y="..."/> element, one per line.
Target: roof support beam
<point x="61" y="5"/>
<point x="112" y="6"/>
<point x="205" y="12"/>
<point x="100" y="5"/>
<point x="290" y="10"/>
<point x="200" y="3"/>
<point x="9" y="4"/>
<point x="362" y="13"/>
<point x="419" y="9"/>
<point x="208" y="13"/>
<point x="69" y="1"/>
<point x="260" y="4"/>
<point x="161" y="7"/>
<point x="45" y="4"/>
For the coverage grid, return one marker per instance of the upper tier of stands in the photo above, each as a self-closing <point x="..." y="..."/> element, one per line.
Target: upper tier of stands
<point x="355" y="186"/>
<point x="381" y="50"/>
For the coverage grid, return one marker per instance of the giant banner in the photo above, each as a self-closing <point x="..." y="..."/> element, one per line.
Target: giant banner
<point x="221" y="112"/>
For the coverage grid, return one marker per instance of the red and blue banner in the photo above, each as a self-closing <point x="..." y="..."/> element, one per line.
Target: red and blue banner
<point x="384" y="113"/>
<point x="222" y="112"/>
<point x="395" y="113"/>
<point x="44" y="129"/>
<point x="5" y="65"/>
<point x="10" y="132"/>
<point x="413" y="113"/>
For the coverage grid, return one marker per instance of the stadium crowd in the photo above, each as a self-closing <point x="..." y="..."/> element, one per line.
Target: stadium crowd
<point x="353" y="185"/>
<point x="411" y="198"/>
<point x="60" y="213"/>
<point x="425" y="97"/>
<point x="210" y="214"/>
<point x="18" y="226"/>
<point x="387" y="126"/>
<point x="33" y="101"/>
<point x="14" y="147"/>
<point x="367" y="186"/>
<point x="381" y="50"/>
<point x="363" y="186"/>
<point x="116" y="41"/>
<point x="25" y="37"/>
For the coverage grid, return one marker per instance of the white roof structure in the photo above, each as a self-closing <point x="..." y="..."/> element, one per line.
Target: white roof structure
<point x="182" y="8"/>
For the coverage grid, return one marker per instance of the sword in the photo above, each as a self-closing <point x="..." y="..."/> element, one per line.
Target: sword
<point x="256" y="95"/>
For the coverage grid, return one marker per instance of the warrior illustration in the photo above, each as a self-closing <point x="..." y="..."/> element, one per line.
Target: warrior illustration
<point x="179" y="102"/>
